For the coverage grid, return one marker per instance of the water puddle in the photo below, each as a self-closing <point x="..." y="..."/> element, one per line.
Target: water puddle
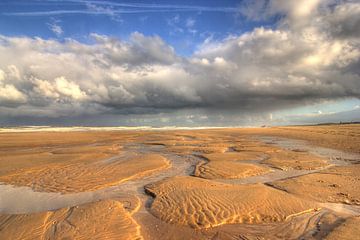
<point x="16" y="200"/>
<point x="20" y="200"/>
<point x="273" y="175"/>
<point x="335" y="157"/>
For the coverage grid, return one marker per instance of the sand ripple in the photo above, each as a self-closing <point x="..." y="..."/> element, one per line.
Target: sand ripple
<point x="100" y="220"/>
<point x="336" y="185"/>
<point x="203" y="203"/>
<point x="84" y="177"/>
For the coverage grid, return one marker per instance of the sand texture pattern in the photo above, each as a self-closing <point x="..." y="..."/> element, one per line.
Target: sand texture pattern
<point x="336" y="184"/>
<point x="204" y="204"/>
<point x="348" y="230"/>
<point x="81" y="177"/>
<point x="228" y="170"/>
<point x="287" y="160"/>
<point x="99" y="220"/>
<point x="226" y="183"/>
<point x="229" y="165"/>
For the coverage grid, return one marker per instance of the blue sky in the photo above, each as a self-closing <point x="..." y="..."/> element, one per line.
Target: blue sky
<point x="182" y="24"/>
<point x="229" y="62"/>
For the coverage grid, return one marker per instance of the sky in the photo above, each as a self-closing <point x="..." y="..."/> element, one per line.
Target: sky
<point x="179" y="63"/>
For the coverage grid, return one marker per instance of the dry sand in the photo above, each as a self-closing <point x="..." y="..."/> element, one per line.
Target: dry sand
<point x="286" y="160"/>
<point x="82" y="177"/>
<point x="228" y="170"/>
<point x="195" y="182"/>
<point x="204" y="204"/>
<point x="99" y="220"/>
<point x="348" y="230"/>
<point x="336" y="184"/>
<point x="230" y="165"/>
<point x="344" y="137"/>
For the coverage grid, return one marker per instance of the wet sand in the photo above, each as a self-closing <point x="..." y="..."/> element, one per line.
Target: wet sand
<point x="261" y="183"/>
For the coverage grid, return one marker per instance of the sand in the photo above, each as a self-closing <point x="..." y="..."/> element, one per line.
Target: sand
<point x="197" y="147"/>
<point x="69" y="162"/>
<point x="81" y="177"/>
<point x="99" y="220"/>
<point x="336" y="185"/>
<point x="204" y="204"/>
<point x="197" y="183"/>
<point x="235" y="156"/>
<point x="344" y="137"/>
<point x="229" y="165"/>
<point x="228" y="170"/>
<point x="287" y="160"/>
<point x="348" y="230"/>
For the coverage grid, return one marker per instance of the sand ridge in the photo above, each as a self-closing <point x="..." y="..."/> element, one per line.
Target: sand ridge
<point x="204" y="204"/>
<point x="336" y="184"/>
<point x="284" y="159"/>
<point x="99" y="220"/>
<point x="83" y="177"/>
<point x="229" y="165"/>
<point x="348" y="230"/>
<point x="287" y="160"/>
<point x="228" y="170"/>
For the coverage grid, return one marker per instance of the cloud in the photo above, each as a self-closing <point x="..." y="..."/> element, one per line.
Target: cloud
<point x="109" y="10"/>
<point x="9" y="95"/>
<point x="311" y="56"/>
<point x="190" y="25"/>
<point x="69" y="89"/>
<point x="190" y="22"/>
<point x="342" y="116"/>
<point x="344" y="21"/>
<point x="140" y="50"/>
<point x="55" y="27"/>
<point x="174" y="24"/>
<point x="255" y="10"/>
<point x="114" y="9"/>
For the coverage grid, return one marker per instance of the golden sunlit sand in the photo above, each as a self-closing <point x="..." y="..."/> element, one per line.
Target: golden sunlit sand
<point x="99" y="220"/>
<point x="285" y="160"/>
<point x="229" y="183"/>
<point x="347" y="230"/>
<point x="336" y="184"/>
<point x="229" y="170"/>
<point x="203" y="204"/>
<point x="85" y="176"/>
<point x="229" y="165"/>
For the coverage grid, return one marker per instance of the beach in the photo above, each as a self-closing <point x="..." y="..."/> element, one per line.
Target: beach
<point x="294" y="182"/>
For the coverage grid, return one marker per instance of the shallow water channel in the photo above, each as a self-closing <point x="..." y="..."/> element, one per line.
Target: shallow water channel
<point x="18" y="200"/>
